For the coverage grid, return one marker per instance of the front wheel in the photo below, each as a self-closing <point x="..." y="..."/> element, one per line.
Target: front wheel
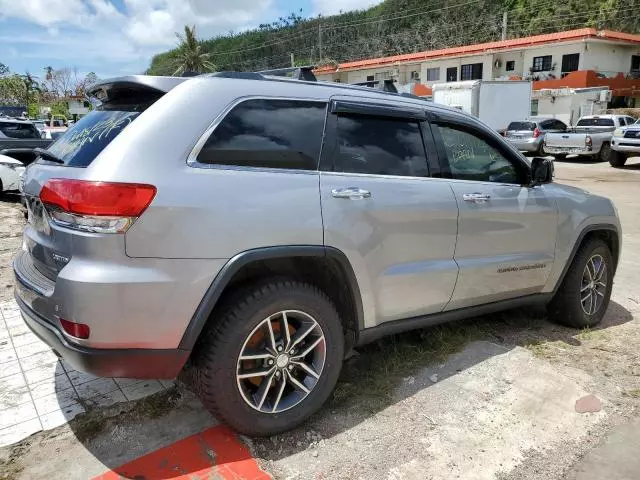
<point x="583" y="296"/>
<point x="271" y="358"/>
<point x="616" y="159"/>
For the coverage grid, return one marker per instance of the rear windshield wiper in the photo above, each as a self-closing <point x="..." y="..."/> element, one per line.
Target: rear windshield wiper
<point x="48" y="155"/>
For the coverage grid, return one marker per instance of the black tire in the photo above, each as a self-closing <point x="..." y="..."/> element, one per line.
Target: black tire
<point x="566" y="306"/>
<point x="617" y="159"/>
<point x="216" y="358"/>
<point x="560" y="157"/>
<point x="605" y="152"/>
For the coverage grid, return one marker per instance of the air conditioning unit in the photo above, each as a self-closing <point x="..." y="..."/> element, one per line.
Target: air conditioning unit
<point x="605" y="96"/>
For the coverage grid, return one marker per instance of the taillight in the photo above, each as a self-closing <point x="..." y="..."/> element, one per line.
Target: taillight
<point x="78" y="330"/>
<point x="536" y="132"/>
<point x="588" y="141"/>
<point x="100" y="207"/>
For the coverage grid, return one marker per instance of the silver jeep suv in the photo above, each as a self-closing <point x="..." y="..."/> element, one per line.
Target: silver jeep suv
<point x="258" y="228"/>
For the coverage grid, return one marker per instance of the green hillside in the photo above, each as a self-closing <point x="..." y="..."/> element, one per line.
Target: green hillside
<point x="402" y="26"/>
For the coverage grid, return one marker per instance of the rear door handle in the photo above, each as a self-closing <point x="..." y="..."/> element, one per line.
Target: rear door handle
<point x="353" y="193"/>
<point x="476" y="197"/>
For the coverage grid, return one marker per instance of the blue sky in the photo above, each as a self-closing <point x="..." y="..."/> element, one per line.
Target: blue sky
<point x="116" y="37"/>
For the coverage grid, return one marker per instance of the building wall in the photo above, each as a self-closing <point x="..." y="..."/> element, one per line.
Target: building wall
<point x="443" y="64"/>
<point x="569" y="108"/>
<point x="605" y="57"/>
<point x="556" y="52"/>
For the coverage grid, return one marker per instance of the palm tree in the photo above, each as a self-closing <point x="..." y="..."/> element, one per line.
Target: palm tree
<point x="190" y="58"/>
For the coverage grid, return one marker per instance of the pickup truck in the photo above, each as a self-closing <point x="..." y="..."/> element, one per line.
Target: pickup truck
<point x="590" y="137"/>
<point x="625" y="143"/>
<point x="18" y="138"/>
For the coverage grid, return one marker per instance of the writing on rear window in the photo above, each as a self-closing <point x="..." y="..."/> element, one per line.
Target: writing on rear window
<point x="83" y="142"/>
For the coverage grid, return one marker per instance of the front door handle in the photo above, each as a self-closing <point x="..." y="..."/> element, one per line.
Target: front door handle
<point x="353" y="193"/>
<point x="476" y="197"/>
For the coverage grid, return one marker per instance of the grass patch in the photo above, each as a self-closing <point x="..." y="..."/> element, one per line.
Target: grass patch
<point x="635" y="393"/>
<point x="539" y="349"/>
<point x="589" y="334"/>
<point x="375" y="373"/>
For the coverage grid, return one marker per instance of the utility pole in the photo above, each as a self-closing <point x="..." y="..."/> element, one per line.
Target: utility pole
<point x="504" y="26"/>
<point x="293" y="63"/>
<point x="319" y="42"/>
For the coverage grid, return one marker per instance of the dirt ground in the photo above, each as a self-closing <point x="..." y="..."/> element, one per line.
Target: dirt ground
<point x="11" y="223"/>
<point x="488" y="398"/>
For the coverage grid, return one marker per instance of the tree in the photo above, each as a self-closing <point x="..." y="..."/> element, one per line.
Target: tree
<point x="4" y="70"/>
<point x="190" y="57"/>
<point x="84" y="83"/>
<point x="60" y="82"/>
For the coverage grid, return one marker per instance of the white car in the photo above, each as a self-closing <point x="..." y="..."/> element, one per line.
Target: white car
<point x="11" y="170"/>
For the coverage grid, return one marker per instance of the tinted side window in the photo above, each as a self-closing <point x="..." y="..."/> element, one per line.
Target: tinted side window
<point x="558" y="125"/>
<point x="380" y="146"/>
<point x="472" y="158"/>
<point x="19" y="130"/>
<point x="268" y="133"/>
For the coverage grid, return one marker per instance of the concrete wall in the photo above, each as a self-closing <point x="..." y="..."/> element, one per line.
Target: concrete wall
<point x="605" y="57"/>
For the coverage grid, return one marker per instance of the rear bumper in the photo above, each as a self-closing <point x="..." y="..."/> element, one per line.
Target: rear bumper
<point x="530" y="145"/>
<point x="569" y="151"/>
<point x="129" y="363"/>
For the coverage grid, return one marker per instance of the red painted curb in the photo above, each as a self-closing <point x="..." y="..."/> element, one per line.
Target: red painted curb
<point x="213" y="453"/>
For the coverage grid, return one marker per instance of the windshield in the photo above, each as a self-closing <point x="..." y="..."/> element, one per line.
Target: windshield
<point x="84" y="141"/>
<point x="19" y="130"/>
<point x="529" y="126"/>
<point x="595" y="122"/>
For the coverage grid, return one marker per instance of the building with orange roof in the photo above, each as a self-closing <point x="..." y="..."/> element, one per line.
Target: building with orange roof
<point x="573" y="59"/>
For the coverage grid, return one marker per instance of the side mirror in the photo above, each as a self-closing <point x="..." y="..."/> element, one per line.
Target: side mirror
<point x="541" y="171"/>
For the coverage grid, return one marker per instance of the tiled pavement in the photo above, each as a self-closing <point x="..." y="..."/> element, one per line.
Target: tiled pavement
<point x="38" y="391"/>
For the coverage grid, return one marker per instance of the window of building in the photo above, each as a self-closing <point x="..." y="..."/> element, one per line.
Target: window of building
<point x="471" y="71"/>
<point x="472" y="158"/>
<point x="452" y="74"/>
<point x="433" y="74"/>
<point x="268" y="133"/>
<point x="570" y="63"/>
<point x="380" y="146"/>
<point x="386" y="75"/>
<point x="635" y="63"/>
<point x="510" y="66"/>
<point x="542" y="64"/>
<point x="534" y="107"/>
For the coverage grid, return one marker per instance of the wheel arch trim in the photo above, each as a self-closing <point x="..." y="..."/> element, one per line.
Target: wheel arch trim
<point x="224" y="276"/>
<point x="585" y="231"/>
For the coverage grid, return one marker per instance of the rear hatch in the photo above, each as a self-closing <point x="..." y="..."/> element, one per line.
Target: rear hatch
<point x="48" y="246"/>
<point x="520" y="130"/>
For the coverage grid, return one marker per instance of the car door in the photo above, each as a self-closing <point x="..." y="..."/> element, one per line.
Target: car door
<point x="396" y="225"/>
<point x="506" y="229"/>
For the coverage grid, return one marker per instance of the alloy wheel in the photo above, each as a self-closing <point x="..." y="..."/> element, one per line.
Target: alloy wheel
<point x="281" y="361"/>
<point x="594" y="285"/>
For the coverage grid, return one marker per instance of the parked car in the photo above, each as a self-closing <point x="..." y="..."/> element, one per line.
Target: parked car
<point x="528" y="135"/>
<point x="624" y="144"/>
<point x="591" y="137"/>
<point x="20" y="134"/>
<point x="10" y="172"/>
<point x="281" y="223"/>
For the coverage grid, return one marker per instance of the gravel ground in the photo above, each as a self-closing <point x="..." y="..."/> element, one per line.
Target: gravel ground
<point x="489" y="398"/>
<point x="11" y="223"/>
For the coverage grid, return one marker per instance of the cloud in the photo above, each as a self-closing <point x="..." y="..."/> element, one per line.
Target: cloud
<point x="332" y="7"/>
<point x="98" y="33"/>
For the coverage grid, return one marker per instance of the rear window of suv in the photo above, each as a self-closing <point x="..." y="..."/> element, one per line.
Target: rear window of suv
<point x="83" y="142"/>
<point x="19" y="130"/>
<point x="528" y="126"/>
<point x="595" y="122"/>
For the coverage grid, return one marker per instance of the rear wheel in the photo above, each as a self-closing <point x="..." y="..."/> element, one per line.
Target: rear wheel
<point x="605" y="152"/>
<point x="617" y="159"/>
<point x="271" y="358"/>
<point x="583" y="297"/>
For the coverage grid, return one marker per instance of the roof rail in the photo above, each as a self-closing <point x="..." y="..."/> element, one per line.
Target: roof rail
<point x="299" y="73"/>
<point x="384" y="85"/>
<point x="237" y="75"/>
